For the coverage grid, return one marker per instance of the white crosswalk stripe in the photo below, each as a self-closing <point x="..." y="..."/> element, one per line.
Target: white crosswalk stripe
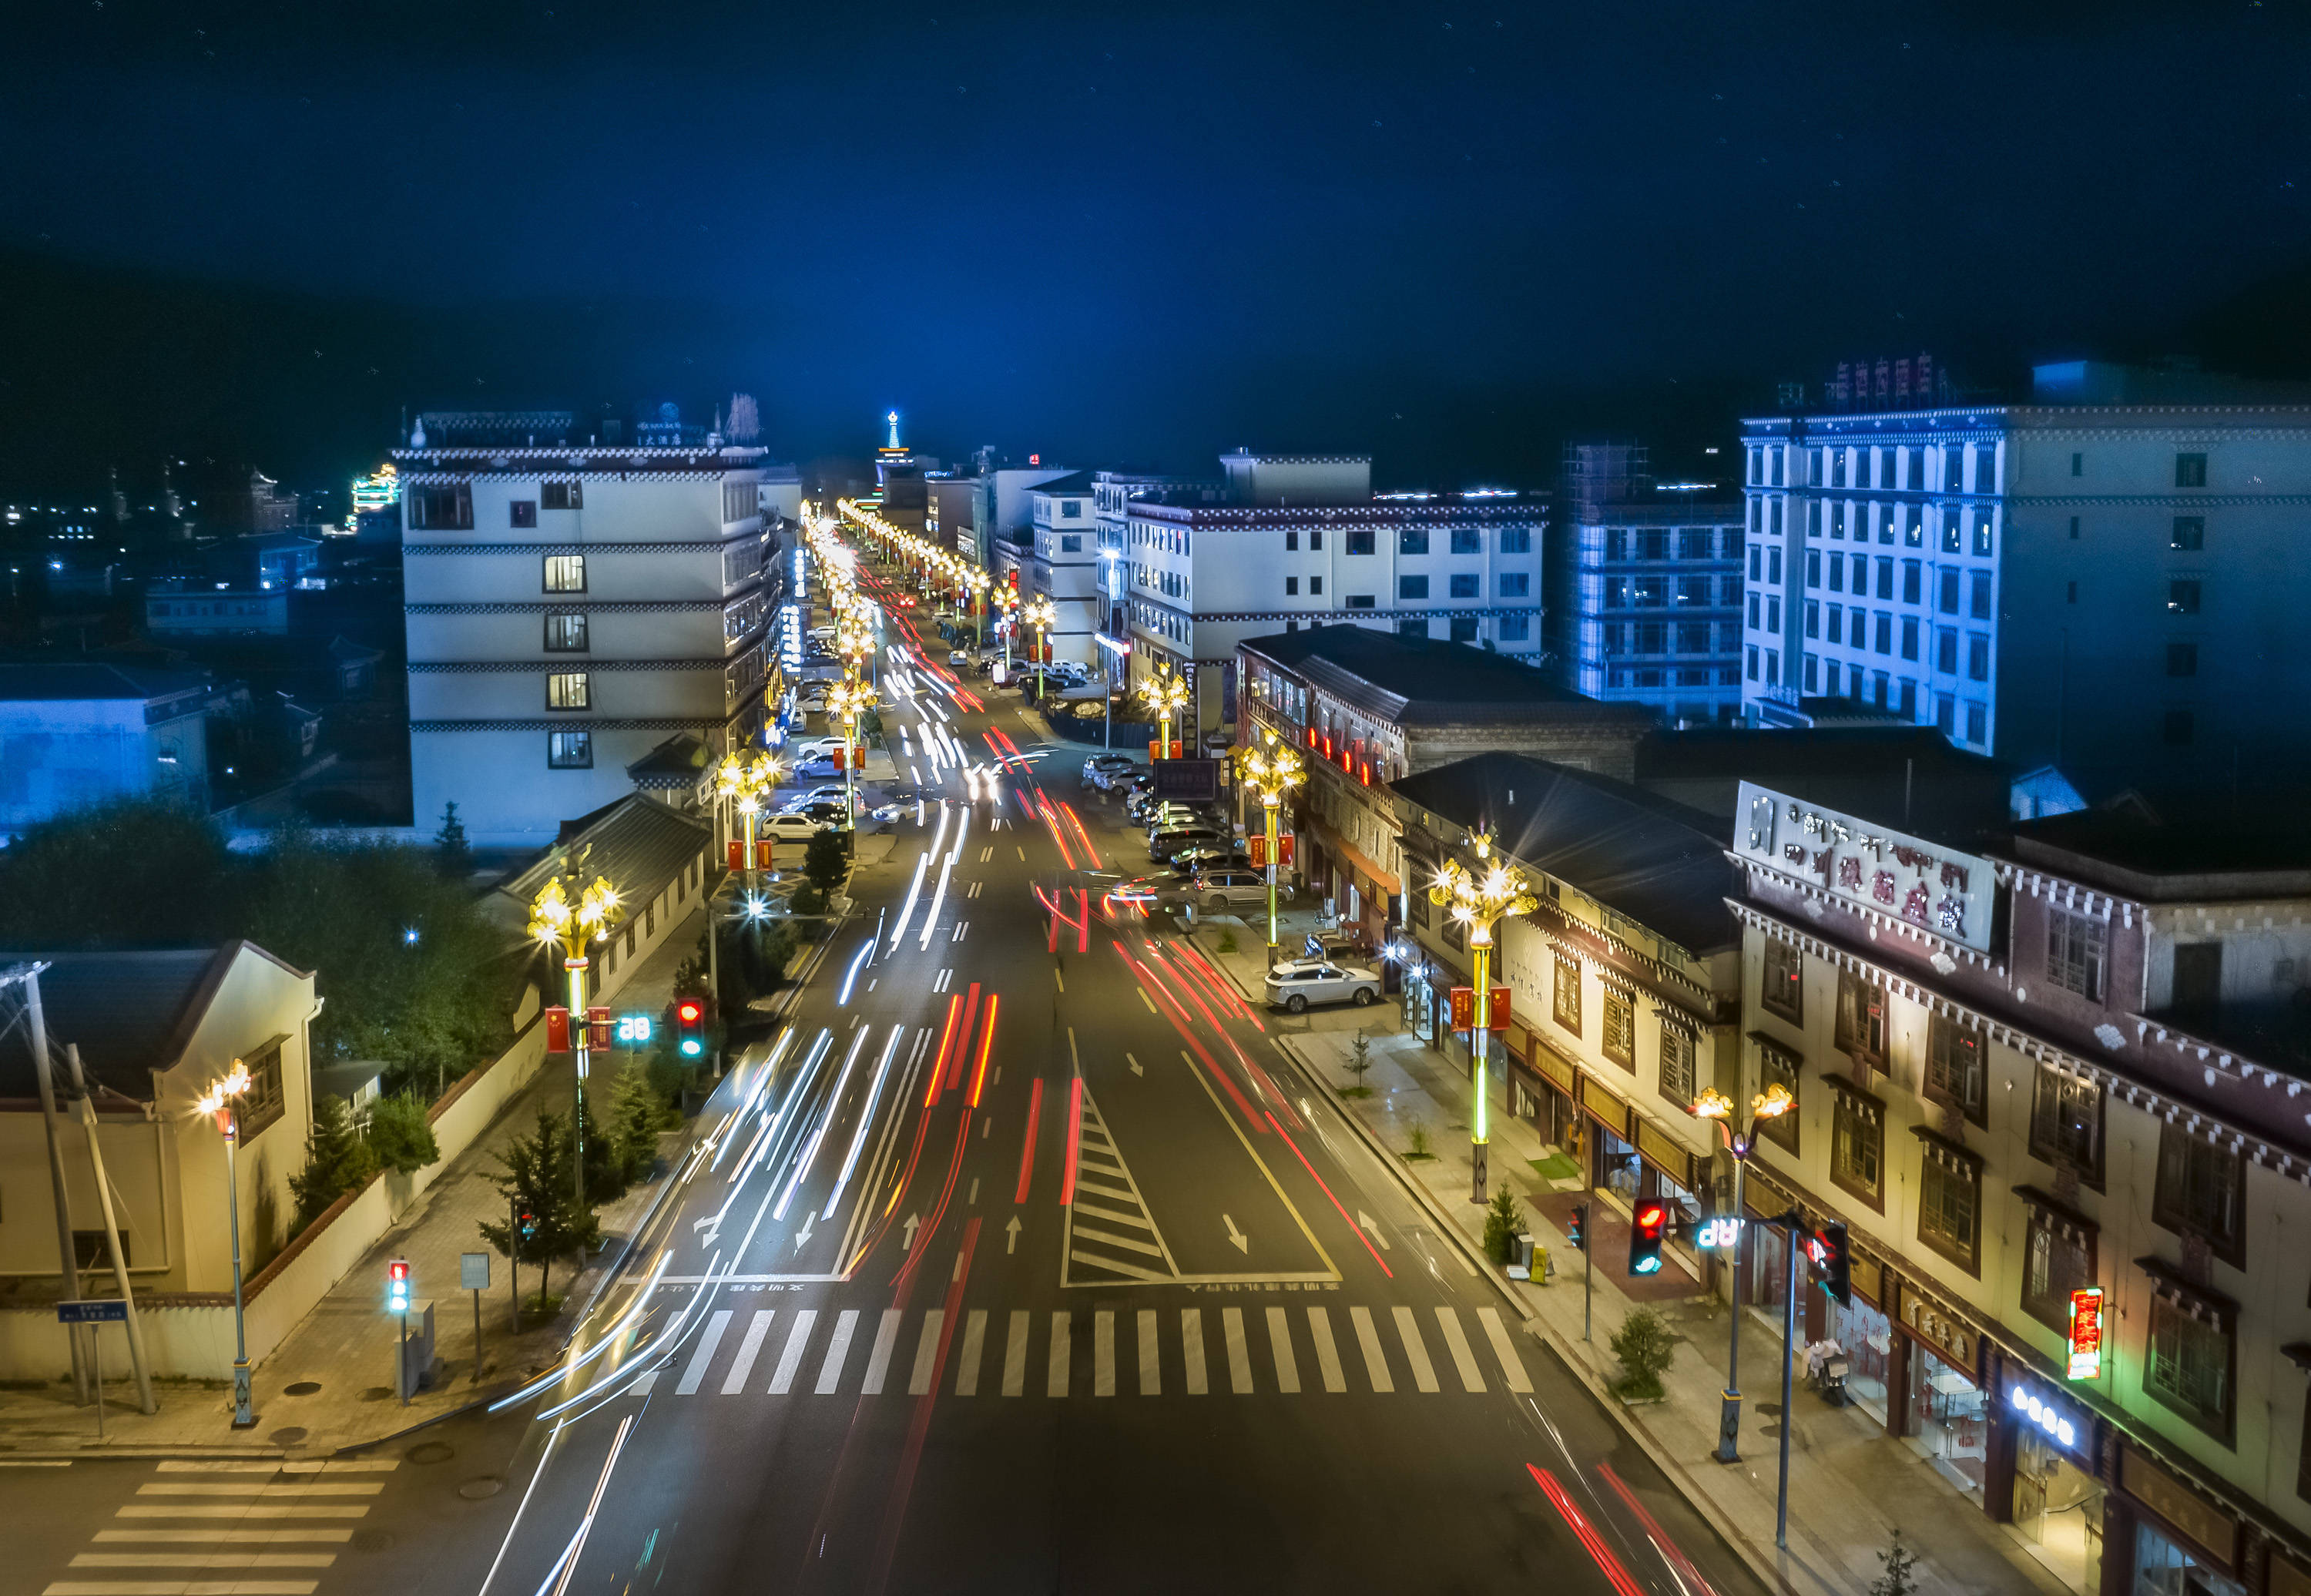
<point x="1291" y="1337"/>
<point x="221" y="1536"/>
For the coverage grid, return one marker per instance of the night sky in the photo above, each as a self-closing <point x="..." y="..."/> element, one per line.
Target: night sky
<point x="1117" y="234"/>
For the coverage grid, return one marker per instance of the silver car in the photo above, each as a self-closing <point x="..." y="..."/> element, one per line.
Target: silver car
<point x="1297" y="983"/>
<point x="1218" y="890"/>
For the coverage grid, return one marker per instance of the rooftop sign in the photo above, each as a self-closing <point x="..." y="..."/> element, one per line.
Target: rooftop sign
<point x="1887" y="872"/>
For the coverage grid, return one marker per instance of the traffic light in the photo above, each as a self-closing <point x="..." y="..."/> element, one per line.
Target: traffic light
<point x="690" y="1027"/>
<point x="524" y="1224"/>
<point x="1832" y="1262"/>
<point x="1576" y="1231"/>
<point x="1647" y="1221"/>
<point x="397" y="1286"/>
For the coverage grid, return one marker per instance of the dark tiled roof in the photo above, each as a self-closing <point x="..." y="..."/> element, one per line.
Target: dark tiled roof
<point x="676" y="762"/>
<point x="1904" y="776"/>
<point x="131" y="1014"/>
<point x="1412" y="681"/>
<point x="637" y="844"/>
<point x="1659" y="863"/>
<point x="66" y="682"/>
<point x="2216" y="849"/>
<point x="1074" y="482"/>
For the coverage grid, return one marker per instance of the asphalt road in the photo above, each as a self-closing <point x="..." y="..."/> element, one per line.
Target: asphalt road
<point x="1023" y="1260"/>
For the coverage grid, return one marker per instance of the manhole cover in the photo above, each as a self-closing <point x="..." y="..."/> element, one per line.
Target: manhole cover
<point x="302" y="1388"/>
<point x="377" y="1394"/>
<point x="476" y="1490"/>
<point x="431" y="1451"/>
<point x="373" y="1540"/>
<point x="290" y="1436"/>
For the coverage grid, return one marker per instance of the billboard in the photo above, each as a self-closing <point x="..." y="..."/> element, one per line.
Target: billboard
<point x="1187" y="781"/>
<point x="1870" y="867"/>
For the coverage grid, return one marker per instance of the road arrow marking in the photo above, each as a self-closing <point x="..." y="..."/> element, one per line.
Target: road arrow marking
<point x="1134" y="1063"/>
<point x="802" y="1236"/>
<point x="1366" y="1220"/>
<point x="1011" y="1234"/>
<point x="1243" y="1241"/>
<point x="912" y="1222"/>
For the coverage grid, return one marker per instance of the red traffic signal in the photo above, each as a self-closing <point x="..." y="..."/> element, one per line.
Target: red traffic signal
<point x="396" y="1286"/>
<point x="1648" y="1223"/>
<point x="690" y="1027"/>
<point x="1576" y="1233"/>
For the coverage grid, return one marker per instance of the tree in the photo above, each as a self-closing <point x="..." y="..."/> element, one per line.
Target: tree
<point x="1360" y="1060"/>
<point x="1503" y="1223"/>
<point x="1901" y="1576"/>
<point x="336" y="1161"/>
<point x="825" y="860"/>
<point x="537" y="1182"/>
<point x="637" y="1112"/>
<point x="453" y="859"/>
<point x="1646" y="1346"/>
<point x="746" y="423"/>
<point x="400" y="1136"/>
<point x="870" y="727"/>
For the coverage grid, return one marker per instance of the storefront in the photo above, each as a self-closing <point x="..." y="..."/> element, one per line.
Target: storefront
<point x="1946" y="1417"/>
<point x="1541" y="1088"/>
<point x="2179" y="1541"/>
<point x="1862" y="1330"/>
<point x="1422" y="992"/>
<point x="2055" y="1503"/>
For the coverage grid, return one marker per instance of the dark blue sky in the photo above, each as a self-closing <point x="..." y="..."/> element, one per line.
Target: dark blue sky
<point x="1144" y="233"/>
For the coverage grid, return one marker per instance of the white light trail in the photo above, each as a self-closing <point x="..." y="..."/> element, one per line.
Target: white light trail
<point x="907" y="909"/>
<point x="842" y="1000"/>
<point x="938" y="896"/>
<point x="818" y="1136"/>
<point x="866" y="1117"/>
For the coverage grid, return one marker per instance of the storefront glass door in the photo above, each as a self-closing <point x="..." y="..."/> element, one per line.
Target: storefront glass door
<point x="1947" y="1423"/>
<point x="2058" y="1512"/>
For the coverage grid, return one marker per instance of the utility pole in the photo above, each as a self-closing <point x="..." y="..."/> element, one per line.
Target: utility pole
<point x="68" y="1259"/>
<point x="135" y="1328"/>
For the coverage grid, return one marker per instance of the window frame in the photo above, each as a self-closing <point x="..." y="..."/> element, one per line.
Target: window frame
<point x="1948" y="1047"/>
<point x="1769" y="993"/>
<point x="1564" y="994"/>
<point x="1859" y="1029"/>
<point x="557" y="685"/>
<point x="1940" y="1163"/>
<point x="266" y="1099"/>
<point x="547" y="569"/>
<point x="1857" y="1120"/>
<point x="2047" y="1138"/>
<point x="2169" y="1323"/>
<point x="1678" y="1073"/>
<point x="2044" y="1297"/>
<point x="1780" y="1065"/>
<point x="2181" y="1211"/>
<point x="572" y="494"/>
<point x="2068" y="949"/>
<point x="565" y="617"/>
<point x="1617" y="1037"/>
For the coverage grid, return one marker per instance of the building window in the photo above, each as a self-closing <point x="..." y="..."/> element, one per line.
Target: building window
<point x="1949" y="1206"/>
<point x="1677" y="1083"/>
<point x="1412" y="629"/>
<point x="2202" y="1190"/>
<point x="2189" y="1365"/>
<point x="1412" y="587"/>
<point x="567" y="690"/>
<point x="2182" y="659"/>
<point x="1861" y="1027"/>
<point x="1516" y="540"/>
<point x="566" y="632"/>
<point x="521" y="512"/>
<point x="1977" y="656"/>
<point x="1619" y="1040"/>
<point x="2190" y="533"/>
<point x="1977" y="724"/>
<point x="2075" y="951"/>
<point x="1360" y="540"/>
<point x="2066" y="1123"/>
<point x="2190" y="471"/>
<point x="265" y="1100"/>
<point x="1515" y="584"/>
<point x="1513" y="629"/>
<point x="1464" y="630"/>
<point x="2077" y="463"/>
<point x="440" y="509"/>
<point x="2182" y="597"/>
<point x="1954" y="1070"/>
<point x="1292" y="586"/>
<point x="1071" y="542"/>
<point x="1465" y="585"/>
<point x="1412" y="540"/>
<point x="565" y="573"/>
<point x="2058" y="1258"/>
<point x="1783" y="991"/>
<point x="1468" y="540"/>
<point x="561" y="495"/>
<point x="1360" y="601"/>
<point x="1316" y="586"/>
<point x="1857" y="1147"/>
<point x="1779" y="1068"/>
<point x="1565" y="997"/>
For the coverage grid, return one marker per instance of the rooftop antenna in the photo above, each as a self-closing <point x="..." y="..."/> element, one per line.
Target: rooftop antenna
<point x="893" y="419"/>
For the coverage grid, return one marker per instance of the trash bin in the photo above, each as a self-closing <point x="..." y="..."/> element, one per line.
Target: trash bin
<point x="1520" y="1257"/>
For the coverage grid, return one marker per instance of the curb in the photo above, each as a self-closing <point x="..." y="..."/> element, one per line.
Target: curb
<point x="189" y="1452"/>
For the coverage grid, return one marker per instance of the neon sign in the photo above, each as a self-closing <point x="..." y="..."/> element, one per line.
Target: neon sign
<point x="2086" y="1333"/>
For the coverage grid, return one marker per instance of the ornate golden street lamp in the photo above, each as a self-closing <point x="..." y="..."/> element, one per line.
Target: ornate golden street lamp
<point x="1166" y="694"/>
<point x="1771" y="1103"/>
<point x="851" y="698"/>
<point x="744" y="783"/>
<point x="1040" y="613"/>
<point x="1476" y="899"/>
<point x="221" y="1102"/>
<point x="1271" y="769"/>
<point x="573" y="926"/>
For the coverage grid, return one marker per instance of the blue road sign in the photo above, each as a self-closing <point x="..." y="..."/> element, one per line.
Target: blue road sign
<point x="109" y="1312"/>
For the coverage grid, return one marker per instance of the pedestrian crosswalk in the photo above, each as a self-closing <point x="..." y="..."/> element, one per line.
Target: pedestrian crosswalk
<point x="228" y="1529"/>
<point x="1146" y="1352"/>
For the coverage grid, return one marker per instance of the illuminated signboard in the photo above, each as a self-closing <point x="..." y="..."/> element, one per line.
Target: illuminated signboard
<point x="2086" y="1333"/>
<point x="1889" y="872"/>
<point x="634" y="1030"/>
<point x="1718" y="1233"/>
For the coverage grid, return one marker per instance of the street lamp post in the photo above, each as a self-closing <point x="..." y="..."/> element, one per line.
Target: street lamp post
<point x="1270" y="770"/>
<point x="553" y="918"/>
<point x="1040" y="613"/>
<point x="222" y="1102"/>
<point x="1166" y="694"/>
<point x="1476" y="900"/>
<point x="850" y="698"/>
<point x="1771" y="1103"/>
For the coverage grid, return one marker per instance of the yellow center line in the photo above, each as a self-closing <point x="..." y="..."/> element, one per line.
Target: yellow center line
<point x="1196" y="1070"/>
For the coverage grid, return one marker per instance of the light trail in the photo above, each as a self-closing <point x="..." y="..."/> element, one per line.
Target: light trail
<point x="907" y="909"/>
<point x="985" y="1043"/>
<point x="827" y="1119"/>
<point x="939" y="897"/>
<point x="866" y="1117"/>
<point x="947" y="1040"/>
<point x="1027" y="1148"/>
<point x="1075" y="1141"/>
<point x="1606" y="1561"/>
<point x="842" y="1000"/>
<point x="577" y="1548"/>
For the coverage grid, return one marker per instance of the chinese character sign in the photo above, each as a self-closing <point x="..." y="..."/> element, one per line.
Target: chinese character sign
<point x="1887" y="873"/>
<point x="2086" y="1333"/>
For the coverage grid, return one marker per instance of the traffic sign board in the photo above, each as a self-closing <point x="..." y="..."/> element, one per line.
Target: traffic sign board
<point x="107" y="1310"/>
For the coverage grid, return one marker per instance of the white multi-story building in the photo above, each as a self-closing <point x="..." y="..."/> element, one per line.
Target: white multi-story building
<point x="2106" y="581"/>
<point x="571" y="603"/>
<point x="1064" y="566"/>
<point x="1300" y="540"/>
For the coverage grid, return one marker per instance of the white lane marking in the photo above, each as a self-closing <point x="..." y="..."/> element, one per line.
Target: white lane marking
<point x="1416" y="1351"/>
<point x="1238" y="1356"/>
<point x="1512" y="1366"/>
<point x="878" y="1360"/>
<point x="1055" y="1382"/>
<point x="368" y="1487"/>
<point x="1279" y="1339"/>
<point x="830" y="1372"/>
<point x="734" y="1382"/>
<point x="1014" y="1355"/>
<point x="1103" y="1352"/>
<point x="1368" y="1338"/>
<point x="310" y="1537"/>
<point x="1448" y="1320"/>
<point x="238" y="1510"/>
<point x="1328" y="1356"/>
<point x="974" y="1341"/>
<point x="1191" y="1349"/>
<point x="926" y="1352"/>
<point x="790" y="1358"/>
<point x="203" y="1560"/>
<point x="1151" y="1366"/>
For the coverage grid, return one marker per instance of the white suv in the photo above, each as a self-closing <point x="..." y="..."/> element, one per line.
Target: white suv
<point x="1298" y="982"/>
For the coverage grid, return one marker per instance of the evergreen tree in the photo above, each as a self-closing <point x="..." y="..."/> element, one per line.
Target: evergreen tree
<point x="536" y="1180"/>
<point x="452" y="857"/>
<point x="637" y="1114"/>
<point x="1503" y="1223"/>
<point x="825" y="860"/>
<point x="400" y="1138"/>
<point x="336" y="1161"/>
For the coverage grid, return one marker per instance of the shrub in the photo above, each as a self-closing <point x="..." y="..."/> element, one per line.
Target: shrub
<point x="336" y="1161"/>
<point x="399" y="1137"/>
<point x="1646" y="1346"/>
<point x="1503" y="1223"/>
<point x="825" y="860"/>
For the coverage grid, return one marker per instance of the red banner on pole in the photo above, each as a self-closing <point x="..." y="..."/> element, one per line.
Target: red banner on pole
<point x="557" y="1030"/>
<point x="598" y="1030"/>
<point x="738" y="854"/>
<point x="761" y="853"/>
<point x="1499" y="1016"/>
<point x="1464" y="1007"/>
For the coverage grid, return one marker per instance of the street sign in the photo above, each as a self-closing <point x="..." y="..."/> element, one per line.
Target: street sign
<point x="2086" y="1333"/>
<point x="635" y="1030"/>
<point x="1187" y="781"/>
<point x="111" y="1311"/>
<point x="473" y="1271"/>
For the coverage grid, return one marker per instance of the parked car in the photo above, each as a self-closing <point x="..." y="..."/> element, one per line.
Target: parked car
<point x="814" y="748"/>
<point x="955" y="656"/>
<point x="1164" y="815"/>
<point x="790" y="827"/>
<point x="1209" y="856"/>
<point x="830" y="793"/>
<point x="812" y="703"/>
<point x="816" y="766"/>
<point x="826" y="812"/>
<point x="1297" y="983"/>
<point x="1163" y="844"/>
<point x="1219" y="890"/>
<point x="1100" y="769"/>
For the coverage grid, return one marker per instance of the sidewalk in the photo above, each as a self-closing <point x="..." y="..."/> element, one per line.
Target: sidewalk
<point x="1851" y="1485"/>
<point x="330" y="1384"/>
